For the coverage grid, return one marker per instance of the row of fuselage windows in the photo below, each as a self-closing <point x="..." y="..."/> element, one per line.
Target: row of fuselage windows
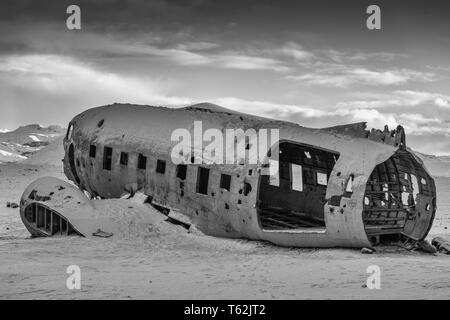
<point x="181" y="172"/>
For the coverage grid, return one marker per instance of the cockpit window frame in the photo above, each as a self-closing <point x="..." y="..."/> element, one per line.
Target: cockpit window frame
<point x="69" y="131"/>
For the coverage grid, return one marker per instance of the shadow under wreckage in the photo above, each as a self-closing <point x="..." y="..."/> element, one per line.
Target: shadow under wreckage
<point x="342" y="186"/>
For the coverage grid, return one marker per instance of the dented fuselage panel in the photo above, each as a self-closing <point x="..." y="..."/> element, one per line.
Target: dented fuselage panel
<point x="335" y="187"/>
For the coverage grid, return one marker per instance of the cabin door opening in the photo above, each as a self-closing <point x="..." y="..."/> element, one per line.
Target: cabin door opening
<point x="72" y="163"/>
<point x="293" y="196"/>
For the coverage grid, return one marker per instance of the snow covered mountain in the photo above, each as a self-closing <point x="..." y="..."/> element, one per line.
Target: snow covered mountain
<point x="21" y="143"/>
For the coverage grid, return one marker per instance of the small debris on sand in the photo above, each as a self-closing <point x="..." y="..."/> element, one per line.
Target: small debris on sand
<point x="102" y="234"/>
<point x="11" y="205"/>
<point x="367" y="251"/>
<point x="442" y="245"/>
<point x="425" y="246"/>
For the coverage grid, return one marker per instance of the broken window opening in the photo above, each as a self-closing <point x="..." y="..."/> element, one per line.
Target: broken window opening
<point x="107" y="158"/>
<point x="160" y="166"/>
<point x="247" y="188"/>
<point x="202" y="180"/>
<point x="225" y="181"/>
<point x="297" y="177"/>
<point x="309" y="176"/>
<point x="142" y="162"/>
<point x="405" y="198"/>
<point x="181" y="171"/>
<point x="274" y="177"/>
<point x="415" y="185"/>
<point x="322" y="179"/>
<point x="34" y="196"/>
<point x="124" y="158"/>
<point x="92" y="151"/>
<point x="69" y="132"/>
<point x="284" y="170"/>
<point x="349" y="186"/>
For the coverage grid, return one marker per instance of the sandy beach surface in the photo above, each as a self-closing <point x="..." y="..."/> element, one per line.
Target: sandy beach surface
<point x="181" y="265"/>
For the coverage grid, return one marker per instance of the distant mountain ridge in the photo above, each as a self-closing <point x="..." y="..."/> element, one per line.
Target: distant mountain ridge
<point x="430" y="157"/>
<point x="20" y="144"/>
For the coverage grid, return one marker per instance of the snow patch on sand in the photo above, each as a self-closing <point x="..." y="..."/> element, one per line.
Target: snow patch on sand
<point x="10" y="154"/>
<point x="34" y="138"/>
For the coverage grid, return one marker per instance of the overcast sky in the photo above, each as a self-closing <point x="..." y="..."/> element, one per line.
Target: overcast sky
<point x="311" y="62"/>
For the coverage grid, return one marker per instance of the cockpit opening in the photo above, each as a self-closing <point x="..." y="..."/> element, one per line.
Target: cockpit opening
<point x="73" y="167"/>
<point x="69" y="132"/>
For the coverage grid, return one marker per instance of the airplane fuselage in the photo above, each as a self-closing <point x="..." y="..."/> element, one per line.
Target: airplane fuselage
<point x="335" y="187"/>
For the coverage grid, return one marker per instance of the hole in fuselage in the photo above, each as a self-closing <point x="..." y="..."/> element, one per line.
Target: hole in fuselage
<point x="293" y="195"/>
<point x="395" y="203"/>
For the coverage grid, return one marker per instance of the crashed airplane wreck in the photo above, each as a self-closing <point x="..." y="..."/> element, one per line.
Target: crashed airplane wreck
<point x="343" y="186"/>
